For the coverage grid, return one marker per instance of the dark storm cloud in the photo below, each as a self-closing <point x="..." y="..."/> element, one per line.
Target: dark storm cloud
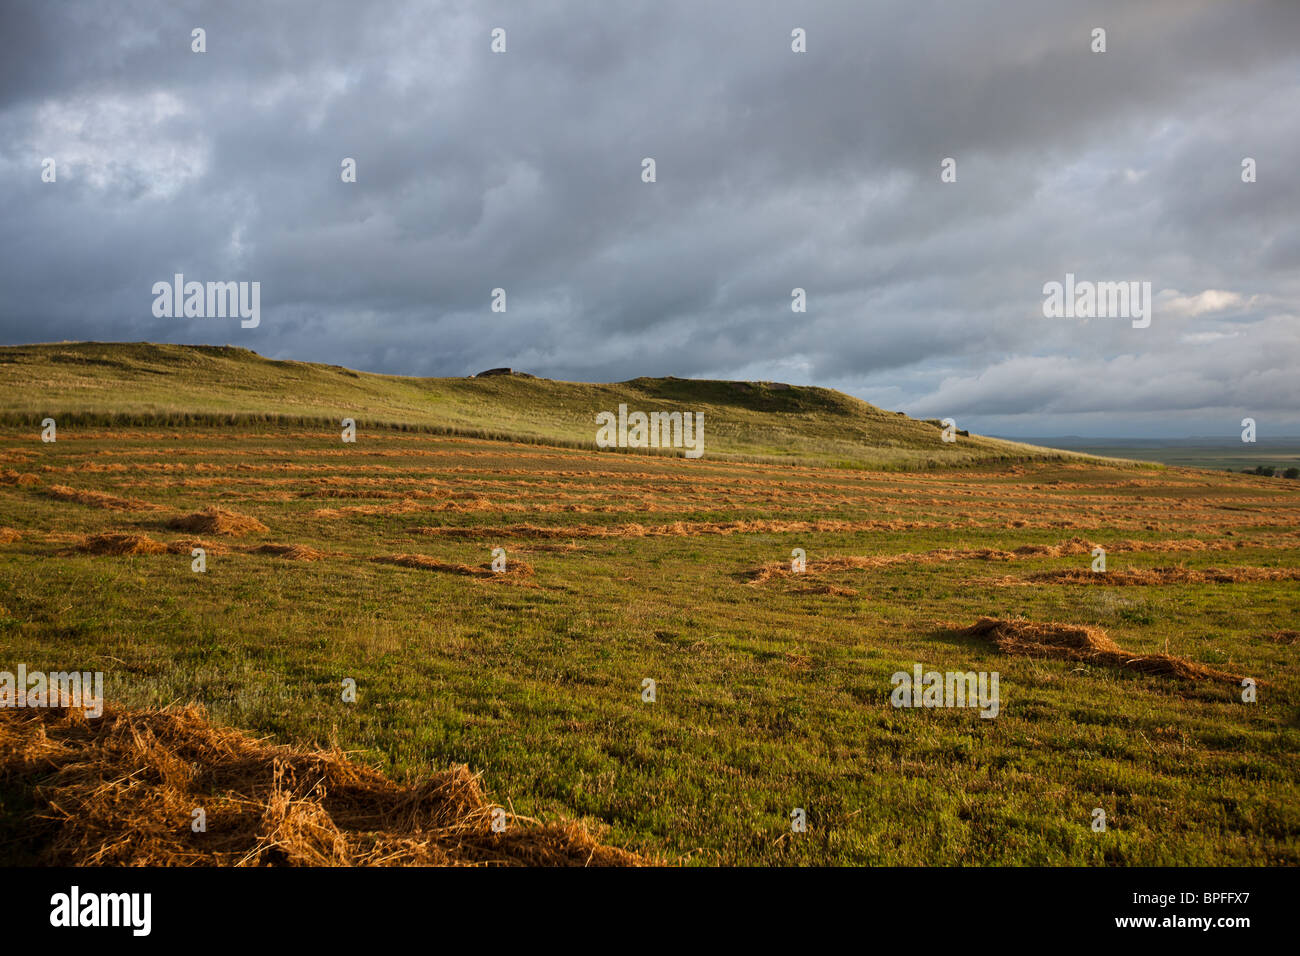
<point x="775" y="170"/>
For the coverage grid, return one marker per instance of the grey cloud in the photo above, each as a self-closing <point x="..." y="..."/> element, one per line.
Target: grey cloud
<point x="775" y="170"/>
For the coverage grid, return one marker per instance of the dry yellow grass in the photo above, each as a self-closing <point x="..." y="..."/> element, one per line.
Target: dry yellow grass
<point x="98" y="499"/>
<point x="121" y="790"/>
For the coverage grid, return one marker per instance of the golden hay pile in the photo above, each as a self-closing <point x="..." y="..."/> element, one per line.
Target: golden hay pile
<point x="98" y="499"/>
<point x="1087" y="644"/>
<point x="122" y="789"/>
<point x="213" y="520"/>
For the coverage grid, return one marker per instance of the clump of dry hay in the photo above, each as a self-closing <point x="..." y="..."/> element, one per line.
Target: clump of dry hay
<point x="11" y="477"/>
<point x="1075" y="545"/>
<point x="98" y="499"/>
<point x="127" y="542"/>
<point x="1176" y="575"/>
<point x="515" y="568"/>
<point x="1084" y="643"/>
<point x="117" y="542"/>
<point x="10" y="534"/>
<point x="213" y="520"/>
<point x="120" y="790"/>
<point x="294" y="552"/>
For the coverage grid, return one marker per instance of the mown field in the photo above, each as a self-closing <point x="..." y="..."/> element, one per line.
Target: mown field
<point x="772" y="688"/>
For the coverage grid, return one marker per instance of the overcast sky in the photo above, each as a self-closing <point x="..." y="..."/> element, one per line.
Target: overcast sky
<point x="775" y="170"/>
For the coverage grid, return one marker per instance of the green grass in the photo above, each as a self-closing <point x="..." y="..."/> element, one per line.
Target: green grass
<point x="768" y="698"/>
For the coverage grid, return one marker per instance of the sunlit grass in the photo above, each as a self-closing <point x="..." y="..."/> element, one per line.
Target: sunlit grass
<point x="767" y="698"/>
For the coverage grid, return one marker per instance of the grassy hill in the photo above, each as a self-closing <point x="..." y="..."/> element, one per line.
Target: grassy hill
<point x="141" y="383"/>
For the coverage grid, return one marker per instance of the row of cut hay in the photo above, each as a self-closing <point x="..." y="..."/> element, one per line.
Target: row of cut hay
<point x="98" y="499"/>
<point x="1138" y="577"/>
<point x="1075" y="546"/>
<point x="777" y="570"/>
<point x="124" y="543"/>
<point x="1079" y="642"/>
<point x="120" y="543"/>
<point x="767" y="526"/>
<point x="676" y="529"/>
<point x="210" y="520"/>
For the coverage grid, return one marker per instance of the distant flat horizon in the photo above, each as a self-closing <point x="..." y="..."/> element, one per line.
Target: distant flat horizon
<point x="1228" y="452"/>
<point x="1213" y="440"/>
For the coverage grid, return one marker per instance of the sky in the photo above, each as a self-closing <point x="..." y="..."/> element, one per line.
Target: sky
<point x="774" y="170"/>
